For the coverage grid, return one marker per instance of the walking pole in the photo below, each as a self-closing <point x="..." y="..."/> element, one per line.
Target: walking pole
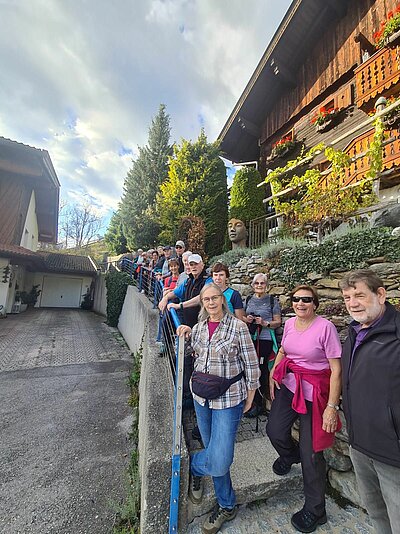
<point x="176" y="448"/>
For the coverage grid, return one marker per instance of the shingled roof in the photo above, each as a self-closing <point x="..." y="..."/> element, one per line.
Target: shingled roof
<point x="66" y="263"/>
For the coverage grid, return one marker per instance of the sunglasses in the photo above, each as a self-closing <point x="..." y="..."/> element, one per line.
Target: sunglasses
<point x="178" y="246"/>
<point x="306" y="300"/>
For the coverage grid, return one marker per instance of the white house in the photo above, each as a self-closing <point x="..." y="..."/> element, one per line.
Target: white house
<point x="29" y="196"/>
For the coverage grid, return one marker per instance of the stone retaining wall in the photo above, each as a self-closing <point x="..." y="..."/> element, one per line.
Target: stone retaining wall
<point x="340" y="471"/>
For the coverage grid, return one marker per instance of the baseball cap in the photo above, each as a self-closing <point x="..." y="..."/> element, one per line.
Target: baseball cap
<point x="180" y="244"/>
<point x="196" y="258"/>
<point x="167" y="247"/>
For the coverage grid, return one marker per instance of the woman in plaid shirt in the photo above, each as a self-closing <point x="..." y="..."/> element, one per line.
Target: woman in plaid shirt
<point x="222" y="346"/>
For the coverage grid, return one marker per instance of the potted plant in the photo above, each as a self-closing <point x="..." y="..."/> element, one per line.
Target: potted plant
<point x="30" y="298"/>
<point x="282" y="147"/>
<point x="388" y="28"/>
<point x="324" y="118"/>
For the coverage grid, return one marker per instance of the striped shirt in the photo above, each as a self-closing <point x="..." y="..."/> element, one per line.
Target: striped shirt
<point x="230" y="351"/>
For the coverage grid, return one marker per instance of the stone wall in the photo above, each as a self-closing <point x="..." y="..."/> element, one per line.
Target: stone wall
<point x="340" y="471"/>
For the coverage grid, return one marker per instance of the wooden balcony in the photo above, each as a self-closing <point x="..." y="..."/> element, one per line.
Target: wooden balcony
<point x="377" y="75"/>
<point x="360" y="165"/>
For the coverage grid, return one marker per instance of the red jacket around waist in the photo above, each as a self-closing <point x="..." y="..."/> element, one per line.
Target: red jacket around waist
<point x="320" y="381"/>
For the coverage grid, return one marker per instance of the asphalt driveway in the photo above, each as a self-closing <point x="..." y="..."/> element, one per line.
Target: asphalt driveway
<point x="64" y="422"/>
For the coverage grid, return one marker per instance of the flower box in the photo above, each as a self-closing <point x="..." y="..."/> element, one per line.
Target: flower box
<point x="282" y="147"/>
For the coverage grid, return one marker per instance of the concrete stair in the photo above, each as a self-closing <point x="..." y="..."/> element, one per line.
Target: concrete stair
<point x="252" y="477"/>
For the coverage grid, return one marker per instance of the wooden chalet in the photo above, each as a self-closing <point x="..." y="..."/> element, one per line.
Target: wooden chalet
<point x="29" y="197"/>
<point x="323" y="56"/>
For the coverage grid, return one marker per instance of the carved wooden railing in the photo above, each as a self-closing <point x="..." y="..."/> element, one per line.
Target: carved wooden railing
<point x="378" y="74"/>
<point x="360" y="165"/>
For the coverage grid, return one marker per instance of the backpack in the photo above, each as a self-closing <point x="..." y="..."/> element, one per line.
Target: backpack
<point x="228" y="295"/>
<point x="275" y="346"/>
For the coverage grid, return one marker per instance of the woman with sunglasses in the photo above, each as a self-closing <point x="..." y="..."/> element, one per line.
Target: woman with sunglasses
<point x="262" y="314"/>
<point x="222" y="347"/>
<point x="305" y="383"/>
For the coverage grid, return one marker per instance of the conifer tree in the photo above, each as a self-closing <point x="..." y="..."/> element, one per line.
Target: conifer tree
<point x="142" y="183"/>
<point x="114" y="236"/>
<point x="246" y="198"/>
<point x="197" y="186"/>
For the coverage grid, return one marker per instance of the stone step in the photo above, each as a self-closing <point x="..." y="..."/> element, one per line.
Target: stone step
<point x="252" y="479"/>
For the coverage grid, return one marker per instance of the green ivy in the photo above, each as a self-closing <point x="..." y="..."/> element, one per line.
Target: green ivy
<point x="117" y="284"/>
<point x="347" y="252"/>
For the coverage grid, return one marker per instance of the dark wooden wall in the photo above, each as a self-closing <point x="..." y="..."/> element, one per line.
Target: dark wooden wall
<point x="14" y="203"/>
<point x="328" y="67"/>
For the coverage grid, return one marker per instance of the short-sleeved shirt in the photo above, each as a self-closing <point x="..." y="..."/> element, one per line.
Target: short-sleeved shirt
<point x="262" y="307"/>
<point x="234" y="299"/>
<point x="310" y="349"/>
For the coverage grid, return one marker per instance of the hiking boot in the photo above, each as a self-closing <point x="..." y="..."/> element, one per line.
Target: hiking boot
<point x="217" y="518"/>
<point x="195" y="489"/>
<point x="281" y="467"/>
<point x="305" y="521"/>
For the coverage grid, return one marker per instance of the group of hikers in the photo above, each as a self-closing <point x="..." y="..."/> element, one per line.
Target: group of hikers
<point x="233" y="366"/>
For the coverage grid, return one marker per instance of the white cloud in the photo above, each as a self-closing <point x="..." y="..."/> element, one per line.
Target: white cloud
<point x="83" y="79"/>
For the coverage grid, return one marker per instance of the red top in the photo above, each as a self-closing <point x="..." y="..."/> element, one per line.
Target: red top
<point x="170" y="282"/>
<point x="320" y="381"/>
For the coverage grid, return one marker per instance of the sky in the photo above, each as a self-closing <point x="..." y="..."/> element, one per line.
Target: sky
<point x="83" y="78"/>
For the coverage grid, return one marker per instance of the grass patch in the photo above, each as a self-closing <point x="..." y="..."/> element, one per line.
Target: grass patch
<point x="128" y="513"/>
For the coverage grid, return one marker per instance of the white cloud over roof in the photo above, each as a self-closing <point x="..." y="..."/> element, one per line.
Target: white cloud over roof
<point x="83" y="79"/>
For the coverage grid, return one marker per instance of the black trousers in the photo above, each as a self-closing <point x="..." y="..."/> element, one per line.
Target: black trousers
<point x="313" y="464"/>
<point x="264" y="349"/>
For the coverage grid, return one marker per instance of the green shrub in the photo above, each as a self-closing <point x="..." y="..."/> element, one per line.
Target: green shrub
<point x="117" y="284"/>
<point x="347" y="252"/>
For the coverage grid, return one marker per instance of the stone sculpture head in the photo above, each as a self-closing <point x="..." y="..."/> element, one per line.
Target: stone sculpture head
<point x="237" y="233"/>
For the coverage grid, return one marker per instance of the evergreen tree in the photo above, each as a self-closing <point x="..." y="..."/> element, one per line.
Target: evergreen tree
<point x="114" y="236"/>
<point x="197" y="186"/>
<point x="246" y="198"/>
<point x="142" y="183"/>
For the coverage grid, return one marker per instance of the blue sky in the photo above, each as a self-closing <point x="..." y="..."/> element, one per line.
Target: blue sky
<point x="83" y="78"/>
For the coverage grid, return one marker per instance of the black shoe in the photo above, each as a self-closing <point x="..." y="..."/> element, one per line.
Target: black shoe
<point x="253" y="412"/>
<point x="195" y="489"/>
<point x="281" y="467"/>
<point x="305" y="521"/>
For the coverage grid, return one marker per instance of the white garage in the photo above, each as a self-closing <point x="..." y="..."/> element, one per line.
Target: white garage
<point x="61" y="292"/>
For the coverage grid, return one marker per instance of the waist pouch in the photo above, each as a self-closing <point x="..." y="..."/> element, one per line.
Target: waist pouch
<point x="209" y="386"/>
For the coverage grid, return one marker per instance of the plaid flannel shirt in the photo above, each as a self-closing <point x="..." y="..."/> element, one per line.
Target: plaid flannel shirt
<point x="230" y="351"/>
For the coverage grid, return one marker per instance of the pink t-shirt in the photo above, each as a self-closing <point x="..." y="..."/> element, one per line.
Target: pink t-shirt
<point x="311" y="349"/>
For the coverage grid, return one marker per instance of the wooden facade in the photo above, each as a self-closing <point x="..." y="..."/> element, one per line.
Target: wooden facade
<point x="321" y="57"/>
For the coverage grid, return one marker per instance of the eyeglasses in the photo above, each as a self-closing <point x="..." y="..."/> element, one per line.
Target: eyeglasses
<point x="178" y="246"/>
<point x="306" y="300"/>
<point x="214" y="298"/>
<point x="260" y="284"/>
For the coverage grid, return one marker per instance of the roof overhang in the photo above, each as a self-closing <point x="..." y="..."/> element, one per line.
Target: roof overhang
<point x="35" y="167"/>
<point x="302" y="26"/>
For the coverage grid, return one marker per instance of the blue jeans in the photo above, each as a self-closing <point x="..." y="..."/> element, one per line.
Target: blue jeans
<point x="218" y="431"/>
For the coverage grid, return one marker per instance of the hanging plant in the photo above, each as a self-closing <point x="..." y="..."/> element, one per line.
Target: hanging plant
<point x="324" y="118"/>
<point x="283" y="147"/>
<point x="388" y="27"/>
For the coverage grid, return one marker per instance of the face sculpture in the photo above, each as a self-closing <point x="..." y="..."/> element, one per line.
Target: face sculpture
<point x="237" y="233"/>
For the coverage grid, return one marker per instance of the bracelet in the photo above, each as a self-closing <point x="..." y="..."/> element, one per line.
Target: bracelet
<point x="336" y="406"/>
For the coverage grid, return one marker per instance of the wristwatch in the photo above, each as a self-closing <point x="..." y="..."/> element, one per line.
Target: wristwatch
<point x="336" y="406"/>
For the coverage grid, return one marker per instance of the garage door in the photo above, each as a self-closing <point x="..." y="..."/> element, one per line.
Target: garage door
<point x="60" y="292"/>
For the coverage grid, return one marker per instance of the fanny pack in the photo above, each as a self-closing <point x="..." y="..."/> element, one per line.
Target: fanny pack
<point x="209" y="386"/>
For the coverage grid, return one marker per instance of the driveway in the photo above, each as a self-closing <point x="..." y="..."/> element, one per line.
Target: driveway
<point x="64" y="421"/>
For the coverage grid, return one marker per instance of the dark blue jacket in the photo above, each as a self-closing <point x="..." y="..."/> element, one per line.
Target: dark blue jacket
<point x="371" y="389"/>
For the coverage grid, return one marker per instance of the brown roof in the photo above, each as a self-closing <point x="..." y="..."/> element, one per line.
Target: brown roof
<point x="24" y="169"/>
<point x="15" y="250"/>
<point x="67" y="263"/>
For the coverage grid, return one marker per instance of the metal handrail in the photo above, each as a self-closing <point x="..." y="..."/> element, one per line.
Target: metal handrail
<point x="177" y="439"/>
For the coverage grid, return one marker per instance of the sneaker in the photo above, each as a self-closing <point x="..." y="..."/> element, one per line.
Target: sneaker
<point x="305" y="521"/>
<point x="281" y="467"/>
<point x="217" y="518"/>
<point x="195" y="489"/>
